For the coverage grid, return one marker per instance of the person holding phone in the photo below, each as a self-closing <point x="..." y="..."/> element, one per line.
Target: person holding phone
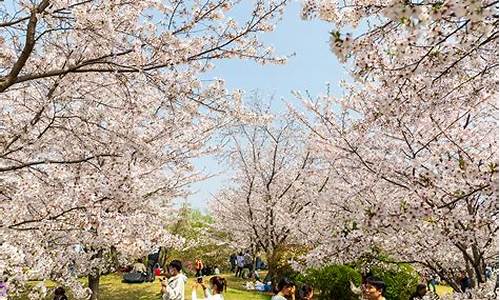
<point x="216" y="285"/>
<point x="173" y="287"/>
<point x="198" y="266"/>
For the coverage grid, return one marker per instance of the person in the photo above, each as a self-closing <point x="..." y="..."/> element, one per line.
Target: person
<point x="153" y="258"/>
<point x="240" y="263"/>
<point x="256" y="275"/>
<point x="420" y="292"/>
<point x="216" y="270"/>
<point x="487" y="272"/>
<point x="173" y="287"/>
<point x="431" y="283"/>
<point x="232" y="261"/>
<point x="198" y="266"/>
<point x="465" y="282"/>
<point x="137" y="274"/>
<point x="157" y="270"/>
<point x="258" y="262"/>
<point x="216" y="285"/>
<point x="305" y="292"/>
<point x="373" y="289"/>
<point x="60" y="294"/>
<point x="3" y="289"/>
<point x="248" y="261"/>
<point x="285" y="288"/>
<point x="139" y="267"/>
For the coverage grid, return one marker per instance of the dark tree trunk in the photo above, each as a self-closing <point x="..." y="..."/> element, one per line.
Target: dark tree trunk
<point x="272" y="265"/>
<point x="163" y="257"/>
<point x="94" y="286"/>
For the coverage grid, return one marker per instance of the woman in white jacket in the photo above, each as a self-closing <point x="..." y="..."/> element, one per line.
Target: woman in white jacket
<point x="216" y="285"/>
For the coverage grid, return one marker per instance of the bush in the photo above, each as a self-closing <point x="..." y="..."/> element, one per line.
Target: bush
<point x="279" y="265"/>
<point x="332" y="281"/>
<point x="400" y="281"/>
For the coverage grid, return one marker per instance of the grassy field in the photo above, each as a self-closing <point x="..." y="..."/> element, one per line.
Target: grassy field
<point x="112" y="288"/>
<point x="442" y="290"/>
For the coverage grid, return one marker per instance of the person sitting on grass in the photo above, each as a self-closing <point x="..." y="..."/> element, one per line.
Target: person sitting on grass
<point x="286" y="288"/>
<point x="256" y="275"/>
<point x="216" y="285"/>
<point x="139" y="267"/>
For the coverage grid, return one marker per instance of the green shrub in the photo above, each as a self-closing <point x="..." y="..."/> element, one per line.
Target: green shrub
<point x="280" y="264"/>
<point x="332" y="281"/>
<point x="400" y="281"/>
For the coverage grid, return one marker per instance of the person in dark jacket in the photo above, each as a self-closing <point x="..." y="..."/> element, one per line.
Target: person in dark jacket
<point x="465" y="282"/>
<point x="232" y="260"/>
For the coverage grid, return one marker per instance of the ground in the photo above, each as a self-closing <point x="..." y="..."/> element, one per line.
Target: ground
<point x="112" y="288"/>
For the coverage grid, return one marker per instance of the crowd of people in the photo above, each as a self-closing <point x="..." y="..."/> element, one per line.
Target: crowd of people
<point x="372" y="289"/>
<point x="174" y="281"/>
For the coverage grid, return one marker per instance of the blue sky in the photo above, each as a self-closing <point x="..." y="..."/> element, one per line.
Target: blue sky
<point x="312" y="66"/>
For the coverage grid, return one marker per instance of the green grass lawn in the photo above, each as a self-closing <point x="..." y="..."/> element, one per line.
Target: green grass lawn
<point x="112" y="288"/>
<point x="442" y="290"/>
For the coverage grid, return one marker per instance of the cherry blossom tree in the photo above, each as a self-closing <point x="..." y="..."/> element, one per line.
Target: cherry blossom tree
<point x="413" y="143"/>
<point x="266" y="205"/>
<point x="102" y="110"/>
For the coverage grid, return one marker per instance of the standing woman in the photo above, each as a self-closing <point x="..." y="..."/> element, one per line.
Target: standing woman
<point x="286" y="288"/>
<point x="216" y="285"/>
<point x="240" y="262"/>
<point x="198" y="266"/>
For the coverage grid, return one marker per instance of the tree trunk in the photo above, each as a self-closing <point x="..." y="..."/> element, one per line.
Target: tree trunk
<point x="162" y="260"/>
<point x="94" y="286"/>
<point x="272" y="266"/>
<point x="470" y="273"/>
<point x="478" y="266"/>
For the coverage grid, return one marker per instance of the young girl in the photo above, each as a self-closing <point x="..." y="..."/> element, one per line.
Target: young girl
<point x="216" y="285"/>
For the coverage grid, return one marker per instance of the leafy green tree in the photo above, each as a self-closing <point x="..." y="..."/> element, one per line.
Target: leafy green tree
<point x="201" y="240"/>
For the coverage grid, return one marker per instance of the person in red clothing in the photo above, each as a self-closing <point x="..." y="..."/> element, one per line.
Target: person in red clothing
<point x="198" y="266"/>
